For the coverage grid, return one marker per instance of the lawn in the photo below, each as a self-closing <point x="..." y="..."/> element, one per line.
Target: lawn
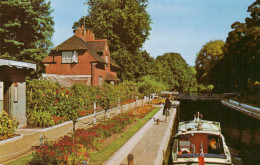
<point x="21" y="161"/>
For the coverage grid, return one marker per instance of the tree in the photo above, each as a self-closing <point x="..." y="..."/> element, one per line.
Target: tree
<point x="133" y="66"/>
<point x="173" y="70"/>
<point x="125" y="23"/>
<point x="206" y="59"/>
<point x="241" y="63"/>
<point x="149" y="85"/>
<point x="26" y="29"/>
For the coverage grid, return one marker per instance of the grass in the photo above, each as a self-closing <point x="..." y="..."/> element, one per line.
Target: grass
<point x="102" y="155"/>
<point x="21" y="161"/>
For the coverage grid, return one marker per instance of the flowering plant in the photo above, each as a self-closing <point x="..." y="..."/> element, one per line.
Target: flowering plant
<point x="7" y="126"/>
<point x="74" y="149"/>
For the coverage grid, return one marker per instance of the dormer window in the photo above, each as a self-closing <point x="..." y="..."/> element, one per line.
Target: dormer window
<point x="70" y="57"/>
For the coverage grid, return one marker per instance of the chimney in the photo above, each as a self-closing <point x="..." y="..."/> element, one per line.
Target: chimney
<point x="79" y="32"/>
<point x="89" y="36"/>
<point x="86" y="35"/>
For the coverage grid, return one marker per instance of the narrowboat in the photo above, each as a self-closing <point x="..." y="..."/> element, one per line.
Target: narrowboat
<point x="200" y="142"/>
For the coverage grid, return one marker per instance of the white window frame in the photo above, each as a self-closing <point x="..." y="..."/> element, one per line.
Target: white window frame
<point x="69" y="57"/>
<point x="100" y="80"/>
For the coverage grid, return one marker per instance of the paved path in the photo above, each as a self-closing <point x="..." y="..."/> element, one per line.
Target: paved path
<point x="152" y="139"/>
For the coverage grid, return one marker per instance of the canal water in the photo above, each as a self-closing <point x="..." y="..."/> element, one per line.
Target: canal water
<point x="241" y="132"/>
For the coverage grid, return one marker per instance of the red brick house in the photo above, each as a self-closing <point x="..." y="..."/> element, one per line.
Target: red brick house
<point x="81" y="58"/>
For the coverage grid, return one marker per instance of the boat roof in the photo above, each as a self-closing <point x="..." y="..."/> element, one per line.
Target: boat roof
<point x="207" y="127"/>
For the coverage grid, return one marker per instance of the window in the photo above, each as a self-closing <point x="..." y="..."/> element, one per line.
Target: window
<point x="70" y="57"/>
<point x="100" y="80"/>
<point x="107" y="59"/>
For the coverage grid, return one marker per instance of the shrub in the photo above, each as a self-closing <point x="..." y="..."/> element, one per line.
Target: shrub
<point x="40" y="119"/>
<point x="46" y="100"/>
<point x="7" y="126"/>
<point x="149" y="85"/>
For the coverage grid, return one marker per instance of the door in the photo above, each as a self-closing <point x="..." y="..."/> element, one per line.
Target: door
<point x="7" y="96"/>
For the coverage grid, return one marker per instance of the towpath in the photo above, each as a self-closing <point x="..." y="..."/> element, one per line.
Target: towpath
<point x="149" y="144"/>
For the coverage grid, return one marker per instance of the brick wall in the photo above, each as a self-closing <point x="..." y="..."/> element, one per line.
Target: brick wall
<point x="83" y="66"/>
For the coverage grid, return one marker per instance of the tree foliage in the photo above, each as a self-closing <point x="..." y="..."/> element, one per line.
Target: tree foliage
<point x="241" y="63"/>
<point x="26" y="29"/>
<point x="125" y="23"/>
<point x="149" y="84"/>
<point x="173" y="70"/>
<point x="206" y="59"/>
<point x="133" y="66"/>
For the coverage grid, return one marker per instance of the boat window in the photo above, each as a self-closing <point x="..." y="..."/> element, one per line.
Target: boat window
<point x="184" y="147"/>
<point x="213" y="144"/>
<point x="184" y="143"/>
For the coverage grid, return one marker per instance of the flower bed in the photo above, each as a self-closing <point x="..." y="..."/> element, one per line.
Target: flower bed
<point x="158" y="101"/>
<point x="127" y="102"/>
<point x="7" y="126"/>
<point x="80" y="146"/>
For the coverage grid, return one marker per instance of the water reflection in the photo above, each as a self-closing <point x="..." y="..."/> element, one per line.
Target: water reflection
<point x="242" y="132"/>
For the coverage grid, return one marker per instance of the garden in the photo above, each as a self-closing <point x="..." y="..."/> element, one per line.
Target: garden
<point x="83" y="143"/>
<point x="48" y="104"/>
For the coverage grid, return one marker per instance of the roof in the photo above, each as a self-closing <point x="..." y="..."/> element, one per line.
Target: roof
<point x="76" y="43"/>
<point x="66" y="81"/>
<point x="73" y="43"/>
<point x="110" y="77"/>
<point x="97" y="45"/>
<point x="208" y="127"/>
<point x="17" y="64"/>
<point x="113" y="63"/>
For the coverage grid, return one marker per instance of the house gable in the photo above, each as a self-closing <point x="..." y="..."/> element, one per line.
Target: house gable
<point x="93" y="58"/>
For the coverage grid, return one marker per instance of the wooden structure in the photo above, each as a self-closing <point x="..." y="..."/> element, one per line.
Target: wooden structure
<point x="205" y="96"/>
<point x="13" y="87"/>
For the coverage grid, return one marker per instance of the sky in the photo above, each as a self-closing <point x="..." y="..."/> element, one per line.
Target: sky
<point x="179" y="26"/>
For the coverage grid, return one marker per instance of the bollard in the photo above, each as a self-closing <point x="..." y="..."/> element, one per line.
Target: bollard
<point x="94" y="119"/>
<point x="130" y="159"/>
<point x="41" y="140"/>
<point x="157" y="121"/>
<point x="108" y="115"/>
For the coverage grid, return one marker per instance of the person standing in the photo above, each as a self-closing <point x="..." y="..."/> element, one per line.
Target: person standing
<point x="167" y="107"/>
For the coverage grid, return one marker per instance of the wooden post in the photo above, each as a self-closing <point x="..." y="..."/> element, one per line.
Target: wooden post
<point x="94" y="119"/>
<point x="130" y="159"/>
<point x="41" y="140"/>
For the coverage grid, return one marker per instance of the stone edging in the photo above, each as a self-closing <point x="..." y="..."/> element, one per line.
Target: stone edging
<point x="165" y="141"/>
<point x="11" y="139"/>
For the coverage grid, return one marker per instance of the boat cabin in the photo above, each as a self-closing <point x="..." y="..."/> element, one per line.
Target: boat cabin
<point x="200" y="136"/>
<point x="191" y="144"/>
